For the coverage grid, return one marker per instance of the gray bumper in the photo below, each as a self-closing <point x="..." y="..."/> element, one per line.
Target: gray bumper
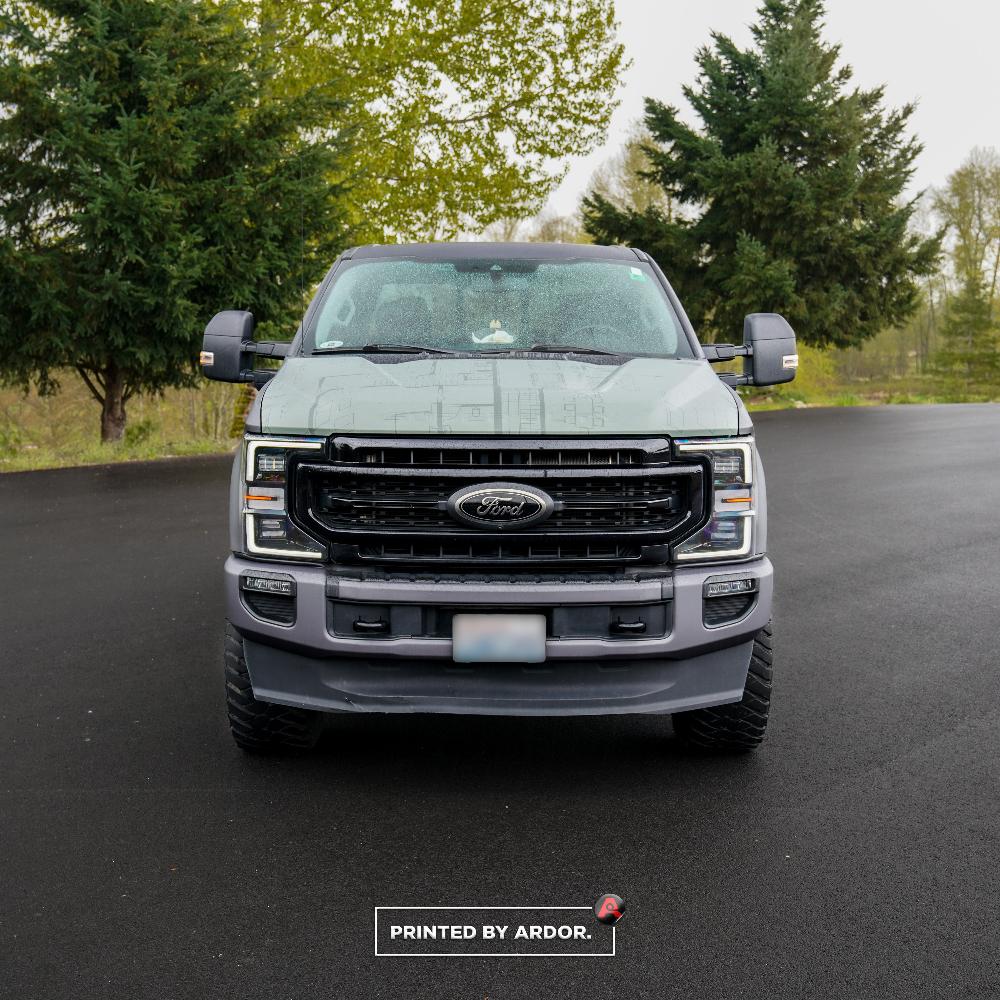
<point x="690" y="667"/>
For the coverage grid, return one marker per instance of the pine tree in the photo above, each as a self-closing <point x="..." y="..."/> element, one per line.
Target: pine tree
<point x="968" y="359"/>
<point x="789" y="192"/>
<point x="148" y="178"/>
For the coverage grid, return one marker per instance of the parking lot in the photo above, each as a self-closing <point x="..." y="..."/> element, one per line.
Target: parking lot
<point x="144" y="855"/>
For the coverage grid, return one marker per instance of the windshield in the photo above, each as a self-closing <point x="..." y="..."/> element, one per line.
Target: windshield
<point x="498" y="306"/>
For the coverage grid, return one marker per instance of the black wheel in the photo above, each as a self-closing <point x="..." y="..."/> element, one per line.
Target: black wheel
<point x="740" y="726"/>
<point x="260" y="726"/>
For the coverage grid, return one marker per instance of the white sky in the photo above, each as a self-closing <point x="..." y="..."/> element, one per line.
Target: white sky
<point x="943" y="54"/>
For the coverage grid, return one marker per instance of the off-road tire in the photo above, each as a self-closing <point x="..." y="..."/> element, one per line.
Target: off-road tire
<point x="260" y="726"/>
<point x="740" y="726"/>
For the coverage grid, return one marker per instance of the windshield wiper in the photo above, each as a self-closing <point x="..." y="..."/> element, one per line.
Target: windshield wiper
<point x="566" y="349"/>
<point x="385" y="349"/>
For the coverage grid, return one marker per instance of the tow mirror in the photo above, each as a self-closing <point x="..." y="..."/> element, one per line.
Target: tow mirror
<point x="228" y="349"/>
<point x="768" y="351"/>
<point x="772" y="358"/>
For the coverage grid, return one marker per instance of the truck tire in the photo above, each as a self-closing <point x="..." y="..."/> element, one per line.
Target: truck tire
<point x="740" y="726"/>
<point x="260" y="726"/>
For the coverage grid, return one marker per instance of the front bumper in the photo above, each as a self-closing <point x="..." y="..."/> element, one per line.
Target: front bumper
<point x="691" y="666"/>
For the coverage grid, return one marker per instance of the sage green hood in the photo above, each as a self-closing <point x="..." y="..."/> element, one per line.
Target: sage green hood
<point x="353" y="394"/>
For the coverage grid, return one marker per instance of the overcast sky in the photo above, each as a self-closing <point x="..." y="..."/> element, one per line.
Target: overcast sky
<point x="941" y="54"/>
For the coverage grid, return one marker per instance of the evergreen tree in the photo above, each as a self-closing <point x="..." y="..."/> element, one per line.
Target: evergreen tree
<point x="968" y="358"/>
<point x="148" y="178"/>
<point x="968" y="354"/>
<point x="790" y="191"/>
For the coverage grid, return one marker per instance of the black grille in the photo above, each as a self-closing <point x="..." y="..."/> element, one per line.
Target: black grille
<point x="563" y="455"/>
<point x="616" y="503"/>
<point x="349" y="501"/>
<point x="491" y="550"/>
<point x="728" y="609"/>
<point x="277" y="608"/>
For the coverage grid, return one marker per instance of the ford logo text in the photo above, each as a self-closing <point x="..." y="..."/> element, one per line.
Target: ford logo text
<point x="500" y="506"/>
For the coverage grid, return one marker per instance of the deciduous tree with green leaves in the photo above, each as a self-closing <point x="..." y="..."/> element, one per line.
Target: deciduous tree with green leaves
<point x="465" y="113"/>
<point x="791" y="189"/>
<point x="150" y="176"/>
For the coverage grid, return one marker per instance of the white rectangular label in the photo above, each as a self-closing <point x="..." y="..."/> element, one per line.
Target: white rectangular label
<point x="487" y="931"/>
<point x="498" y="638"/>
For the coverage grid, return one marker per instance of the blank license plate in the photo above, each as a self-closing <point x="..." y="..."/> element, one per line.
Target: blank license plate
<point x="498" y="638"/>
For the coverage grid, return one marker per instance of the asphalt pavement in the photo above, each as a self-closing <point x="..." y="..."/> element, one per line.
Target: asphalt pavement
<point x="857" y="853"/>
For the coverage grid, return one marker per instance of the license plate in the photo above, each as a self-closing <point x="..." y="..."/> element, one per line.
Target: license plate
<point x="498" y="638"/>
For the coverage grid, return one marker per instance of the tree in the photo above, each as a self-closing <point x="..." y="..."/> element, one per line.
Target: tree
<point x="791" y="189"/>
<point x="968" y="357"/>
<point x="148" y="178"/>
<point x="624" y="179"/>
<point x="969" y="207"/>
<point x="464" y="112"/>
<point x="550" y="227"/>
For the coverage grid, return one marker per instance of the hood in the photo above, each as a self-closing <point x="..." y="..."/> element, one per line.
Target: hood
<point x="352" y="394"/>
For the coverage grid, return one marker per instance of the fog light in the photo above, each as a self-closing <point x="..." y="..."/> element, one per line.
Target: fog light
<point x="726" y="587"/>
<point x="269" y="596"/>
<point x="284" y="585"/>
<point x="728" y="599"/>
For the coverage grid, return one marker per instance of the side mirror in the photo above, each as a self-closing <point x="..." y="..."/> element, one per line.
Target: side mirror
<point x="228" y="349"/>
<point x="772" y="357"/>
<point x="768" y="351"/>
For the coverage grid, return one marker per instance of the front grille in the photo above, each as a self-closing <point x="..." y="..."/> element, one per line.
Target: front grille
<point x="386" y="503"/>
<point x="491" y="550"/>
<point x="508" y="456"/>
<point x="349" y="501"/>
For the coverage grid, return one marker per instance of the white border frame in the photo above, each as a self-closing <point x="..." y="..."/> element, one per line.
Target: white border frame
<point x="494" y="954"/>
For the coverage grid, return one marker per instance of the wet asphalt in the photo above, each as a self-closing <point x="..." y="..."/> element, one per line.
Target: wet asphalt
<point x="858" y="853"/>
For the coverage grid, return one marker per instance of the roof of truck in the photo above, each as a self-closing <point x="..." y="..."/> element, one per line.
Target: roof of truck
<point x="527" y="251"/>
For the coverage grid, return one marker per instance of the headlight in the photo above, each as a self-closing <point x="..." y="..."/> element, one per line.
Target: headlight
<point x="729" y="532"/>
<point x="269" y="531"/>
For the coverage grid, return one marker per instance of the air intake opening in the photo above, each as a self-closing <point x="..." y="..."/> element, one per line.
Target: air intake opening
<point x="726" y="610"/>
<point x="271" y="607"/>
<point x="727" y="599"/>
<point x="269" y="596"/>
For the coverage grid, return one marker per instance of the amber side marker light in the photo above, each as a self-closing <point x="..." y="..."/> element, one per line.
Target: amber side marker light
<point x="259" y="496"/>
<point x="736" y="499"/>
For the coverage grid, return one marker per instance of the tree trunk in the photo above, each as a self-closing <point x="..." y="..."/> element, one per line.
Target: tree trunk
<point x="113" y="406"/>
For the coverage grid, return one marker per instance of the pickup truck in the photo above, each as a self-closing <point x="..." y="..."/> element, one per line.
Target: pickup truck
<point x="497" y="478"/>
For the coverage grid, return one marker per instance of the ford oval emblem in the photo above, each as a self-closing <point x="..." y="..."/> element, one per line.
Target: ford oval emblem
<point x="500" y="506"/>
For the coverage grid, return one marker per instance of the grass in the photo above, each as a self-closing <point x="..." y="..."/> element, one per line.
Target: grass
<point x="102" y="454"/>
<point x="63" y="430"/>
<point x="819" y="383"/>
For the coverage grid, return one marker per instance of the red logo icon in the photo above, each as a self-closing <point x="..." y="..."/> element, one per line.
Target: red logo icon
<point x="609" y="908"/>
